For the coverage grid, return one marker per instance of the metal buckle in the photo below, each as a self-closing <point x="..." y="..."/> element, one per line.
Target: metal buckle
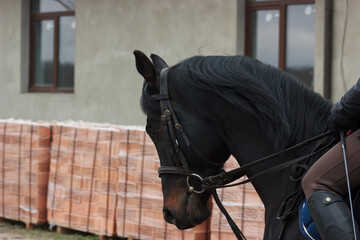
<point x="191" y="188"/>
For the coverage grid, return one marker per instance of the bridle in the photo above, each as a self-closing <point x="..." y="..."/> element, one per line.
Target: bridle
<point x="172" y="126"/>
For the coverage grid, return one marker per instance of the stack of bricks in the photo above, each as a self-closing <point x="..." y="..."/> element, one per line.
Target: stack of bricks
<point x="83" y="178"/>
<point x="244" y="206"/>
<point x="24" y="173"/>
<point x="139" y="210"/>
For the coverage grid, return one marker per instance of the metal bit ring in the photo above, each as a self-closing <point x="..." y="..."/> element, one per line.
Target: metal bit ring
<point x="191" y="188"/>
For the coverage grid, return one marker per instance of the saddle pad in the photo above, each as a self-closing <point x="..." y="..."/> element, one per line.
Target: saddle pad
<point x="306" y="223"/>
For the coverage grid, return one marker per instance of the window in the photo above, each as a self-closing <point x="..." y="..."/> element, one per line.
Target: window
<point x="52" y="36"/>
<point x="282" y="33"/>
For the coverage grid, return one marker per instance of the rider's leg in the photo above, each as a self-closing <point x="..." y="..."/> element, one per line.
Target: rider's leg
<point x="332" y="216"/>
<point x="325" y="184"/>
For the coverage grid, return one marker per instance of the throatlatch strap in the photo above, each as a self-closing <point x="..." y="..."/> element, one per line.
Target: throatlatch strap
<point x="231" y="222"/>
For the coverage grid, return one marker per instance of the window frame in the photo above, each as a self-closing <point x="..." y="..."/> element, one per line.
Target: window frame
<point x="270" y="5"/>
<point x="39" y="16"/>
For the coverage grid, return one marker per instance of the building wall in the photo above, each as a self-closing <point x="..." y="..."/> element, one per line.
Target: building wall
<point x="107" y="86"/>
<point x="346" y="46"/>
<point x="350" y="39"/>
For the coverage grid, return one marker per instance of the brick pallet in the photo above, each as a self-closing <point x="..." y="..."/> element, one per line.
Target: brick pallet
<point x="24" y="162"/>
<point x="83" y="178"/>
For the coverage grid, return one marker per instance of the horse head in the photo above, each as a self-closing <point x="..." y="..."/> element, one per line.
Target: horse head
<point x="212" y="106"/>
<point x="194" y="141"/>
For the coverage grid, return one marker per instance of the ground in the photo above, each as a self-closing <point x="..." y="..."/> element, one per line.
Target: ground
<point x="10" y="230"/>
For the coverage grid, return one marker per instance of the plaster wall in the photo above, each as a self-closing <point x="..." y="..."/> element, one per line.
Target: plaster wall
<point x="107" y="86"/>
<point x="346" y="46"/>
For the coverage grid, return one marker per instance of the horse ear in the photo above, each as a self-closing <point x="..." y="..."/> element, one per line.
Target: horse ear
<point x="159" y="63"/>
<point x="145" y="67"/>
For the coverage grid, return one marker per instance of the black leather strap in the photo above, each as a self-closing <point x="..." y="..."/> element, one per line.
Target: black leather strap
<point x="160" y="96"/>
<point x="171" y="170"/>
<point x="231" y="222"/>
<point x="220" y="180"/>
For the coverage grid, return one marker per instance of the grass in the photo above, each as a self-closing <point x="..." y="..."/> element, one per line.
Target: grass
<point x="17" y="230"/>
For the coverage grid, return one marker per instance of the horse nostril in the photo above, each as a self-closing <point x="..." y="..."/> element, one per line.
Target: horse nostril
<point x="169" y="216"/>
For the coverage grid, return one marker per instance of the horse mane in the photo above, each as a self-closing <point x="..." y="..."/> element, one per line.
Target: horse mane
<point x="276" y="98"/>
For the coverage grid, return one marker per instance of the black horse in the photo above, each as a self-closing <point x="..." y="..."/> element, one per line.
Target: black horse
<point x="230" y="105"/>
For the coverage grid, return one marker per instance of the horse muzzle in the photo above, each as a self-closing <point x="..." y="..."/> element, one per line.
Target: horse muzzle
<point x="170" y="217"/>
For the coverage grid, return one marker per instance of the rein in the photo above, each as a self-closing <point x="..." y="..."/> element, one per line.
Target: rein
<point x="222" y="180"/>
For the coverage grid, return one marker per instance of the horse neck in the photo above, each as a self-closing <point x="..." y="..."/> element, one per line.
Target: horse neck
<point x="306" y="117"/>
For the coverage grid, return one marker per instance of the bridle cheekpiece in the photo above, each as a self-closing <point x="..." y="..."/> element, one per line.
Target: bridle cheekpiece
<point x="171" y="125"/>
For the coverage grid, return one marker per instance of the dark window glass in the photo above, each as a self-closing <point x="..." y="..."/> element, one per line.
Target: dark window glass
<point x="265" y="35"/>
<point x="281" y="33"/>
<point x="44" y="52"/>
<point x="66" y="52"/>
<point x="300" y="38"/>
